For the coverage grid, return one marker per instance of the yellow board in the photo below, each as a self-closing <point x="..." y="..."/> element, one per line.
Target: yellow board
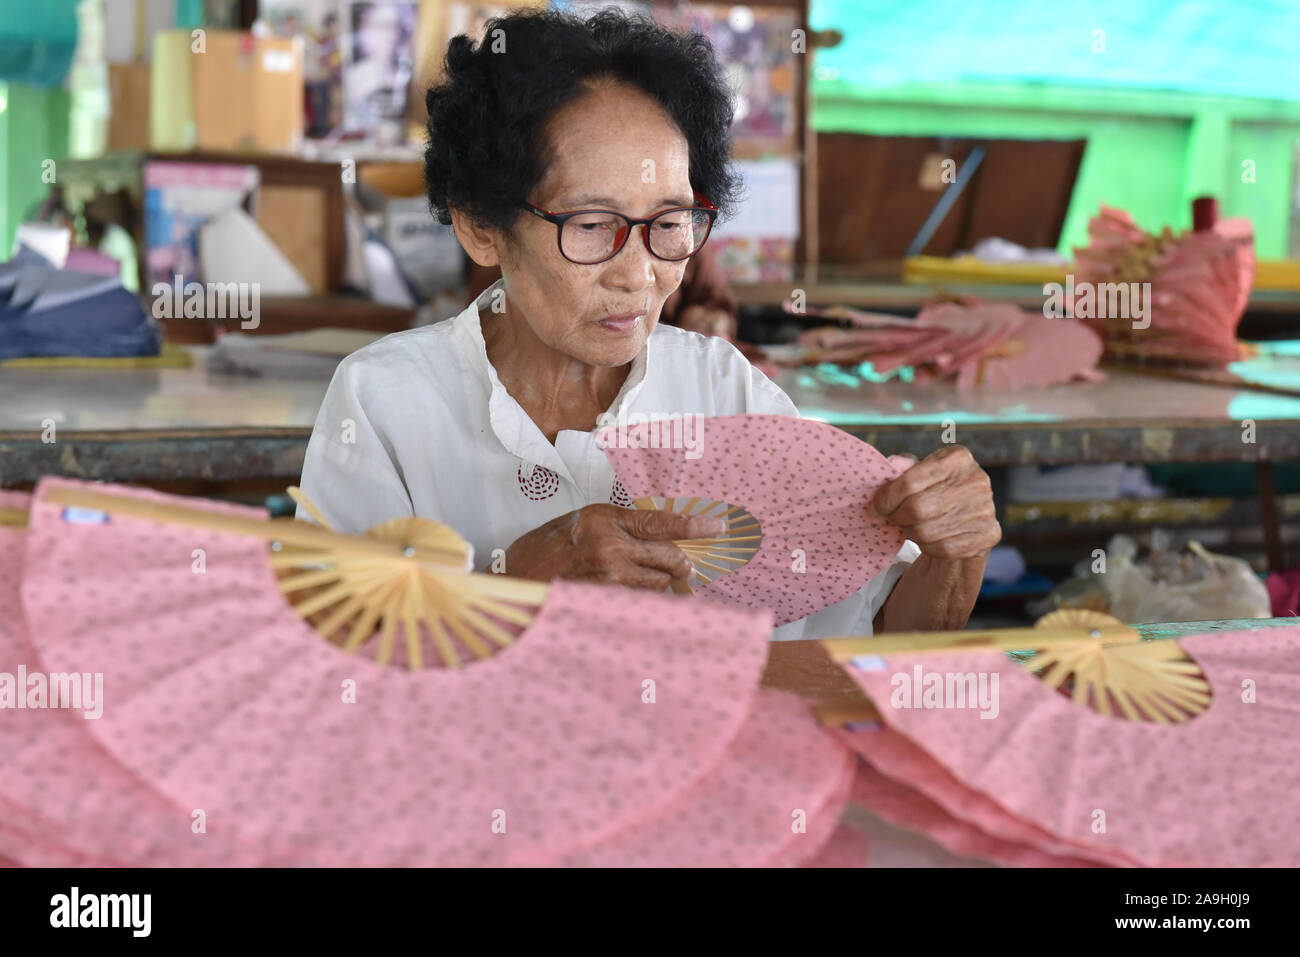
<point x="1278" y="274"/>
<point x="930" y="269"/>
<point x="171" y="357"/>
<point x="1270" y="274"/>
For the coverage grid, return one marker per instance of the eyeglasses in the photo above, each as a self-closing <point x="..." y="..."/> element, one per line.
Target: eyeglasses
<point x="590" y="236"/>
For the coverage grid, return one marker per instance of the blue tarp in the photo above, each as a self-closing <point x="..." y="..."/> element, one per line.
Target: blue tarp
<point x="46" y="311"/>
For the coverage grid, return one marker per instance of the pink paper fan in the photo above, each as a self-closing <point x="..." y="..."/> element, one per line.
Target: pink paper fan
<point x="743" y="810"/>
<point x="980" y="343"/>
<point x="1040" y="352"/>
<point x="847" y="847"/>
<point x="958" y="812"/>
<point x="63" y="801"/>
<point x="1159" y="789"/>
<point x="900" y="805"/>
<point x="1200" y="282"/>
<point x="797" y="494"/>
<point x="220" y="698"/>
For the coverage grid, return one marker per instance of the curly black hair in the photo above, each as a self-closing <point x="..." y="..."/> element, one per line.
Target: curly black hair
<point x="488" y="116"/>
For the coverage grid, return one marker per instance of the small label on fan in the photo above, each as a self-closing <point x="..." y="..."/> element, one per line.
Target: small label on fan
<point x="74" y="515"/>
<point x="862" y="726"/>
<point x="868" y="662"/>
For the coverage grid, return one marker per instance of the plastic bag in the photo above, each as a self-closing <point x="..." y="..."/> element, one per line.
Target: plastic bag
<point x="1173" y="584"/>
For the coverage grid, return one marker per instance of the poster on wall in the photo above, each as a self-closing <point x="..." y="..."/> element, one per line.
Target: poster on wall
<point x="471" y="18"/>
<point x="757" y="243"/>
<point x="178" y="199"/>
<point x="587" y="8"/>
<point x="318" y="23"/>
<point x="755" y="48"/>
<point x="378" y="63"/>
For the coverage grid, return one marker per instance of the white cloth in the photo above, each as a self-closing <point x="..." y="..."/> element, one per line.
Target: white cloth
<point x="419" y="423"/>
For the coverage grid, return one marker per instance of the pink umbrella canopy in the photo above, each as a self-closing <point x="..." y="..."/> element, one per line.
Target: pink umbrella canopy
<point x="805" y="489"/>
<point x="1149" y="792"/>
<point x="1200" y="284"/>
<point x="606" y="734"/>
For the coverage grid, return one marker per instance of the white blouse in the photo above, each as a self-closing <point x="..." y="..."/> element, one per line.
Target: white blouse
<point x="418" y="423"/>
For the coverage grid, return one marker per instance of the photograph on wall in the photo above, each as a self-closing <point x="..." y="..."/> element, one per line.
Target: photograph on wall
<point x="317" y="22"/>
<point x="378" y="62"/>
<point x="754" y="47"/>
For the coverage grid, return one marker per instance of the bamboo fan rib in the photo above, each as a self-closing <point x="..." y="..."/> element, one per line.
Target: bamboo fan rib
<point x="1152" y="681"/>
<point x="711" y="557"/>
<point x="409" y="575"/>
<point x="1089" y="656"/>
<point x="354" y="600"/>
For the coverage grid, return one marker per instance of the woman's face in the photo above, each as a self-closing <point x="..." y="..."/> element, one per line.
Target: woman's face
<point x="614" y="148"/>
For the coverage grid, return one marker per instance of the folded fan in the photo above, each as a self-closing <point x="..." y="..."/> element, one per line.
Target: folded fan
<point x="796" y="496"/>
<point x="978" y="344"/>
<point x="1200" y="284"/>
<point x="570" y="742"/>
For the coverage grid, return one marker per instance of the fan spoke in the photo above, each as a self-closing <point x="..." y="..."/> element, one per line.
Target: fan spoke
<point x="489" y="628"/>
<point x="1139" y="681"/>
<point x="445" y="646"/>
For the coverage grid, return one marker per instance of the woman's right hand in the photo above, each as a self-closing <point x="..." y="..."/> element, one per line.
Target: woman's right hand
<point x="606" y="543"/>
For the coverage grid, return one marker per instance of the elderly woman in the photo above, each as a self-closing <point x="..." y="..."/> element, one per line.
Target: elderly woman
<point x="588" y="160"/>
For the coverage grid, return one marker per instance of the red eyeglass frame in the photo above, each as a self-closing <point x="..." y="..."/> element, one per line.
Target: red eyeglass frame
<point x="558" y="219"/>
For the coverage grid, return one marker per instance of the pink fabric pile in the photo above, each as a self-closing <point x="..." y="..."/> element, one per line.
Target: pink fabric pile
<point x="975" y="344"/>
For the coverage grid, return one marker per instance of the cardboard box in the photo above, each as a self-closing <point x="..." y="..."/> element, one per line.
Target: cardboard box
<point x="226" y="91"/>
<point x="128" y="123"/>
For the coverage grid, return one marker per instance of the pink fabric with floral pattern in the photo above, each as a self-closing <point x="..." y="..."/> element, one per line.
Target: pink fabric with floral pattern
<point x="809" y="484"/>
<point x="848" y="847"/>
<point x="898" y="758"/>
<point x="902" y="806"/>
<point x="222" y="700"/>
<point x="1218" y="790"/>
<point x="744" y="810"/>
<point x="59" y="790"/>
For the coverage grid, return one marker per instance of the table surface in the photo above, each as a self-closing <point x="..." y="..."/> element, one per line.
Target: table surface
<point x="111" y="423"/>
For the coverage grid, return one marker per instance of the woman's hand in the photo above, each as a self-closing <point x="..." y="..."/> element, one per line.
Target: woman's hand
<point x="606" y="543"/>
<point x="944" y="503"/>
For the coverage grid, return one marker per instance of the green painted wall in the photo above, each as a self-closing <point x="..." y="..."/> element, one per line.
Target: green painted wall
<point x="1148" y="152"/>
<point x="33" y="128"/>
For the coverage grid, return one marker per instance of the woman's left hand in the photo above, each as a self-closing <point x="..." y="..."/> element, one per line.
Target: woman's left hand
<point x="944" y="503"/>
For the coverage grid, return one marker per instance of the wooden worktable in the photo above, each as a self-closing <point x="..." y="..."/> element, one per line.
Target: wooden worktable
<point x="179" y="424"/>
